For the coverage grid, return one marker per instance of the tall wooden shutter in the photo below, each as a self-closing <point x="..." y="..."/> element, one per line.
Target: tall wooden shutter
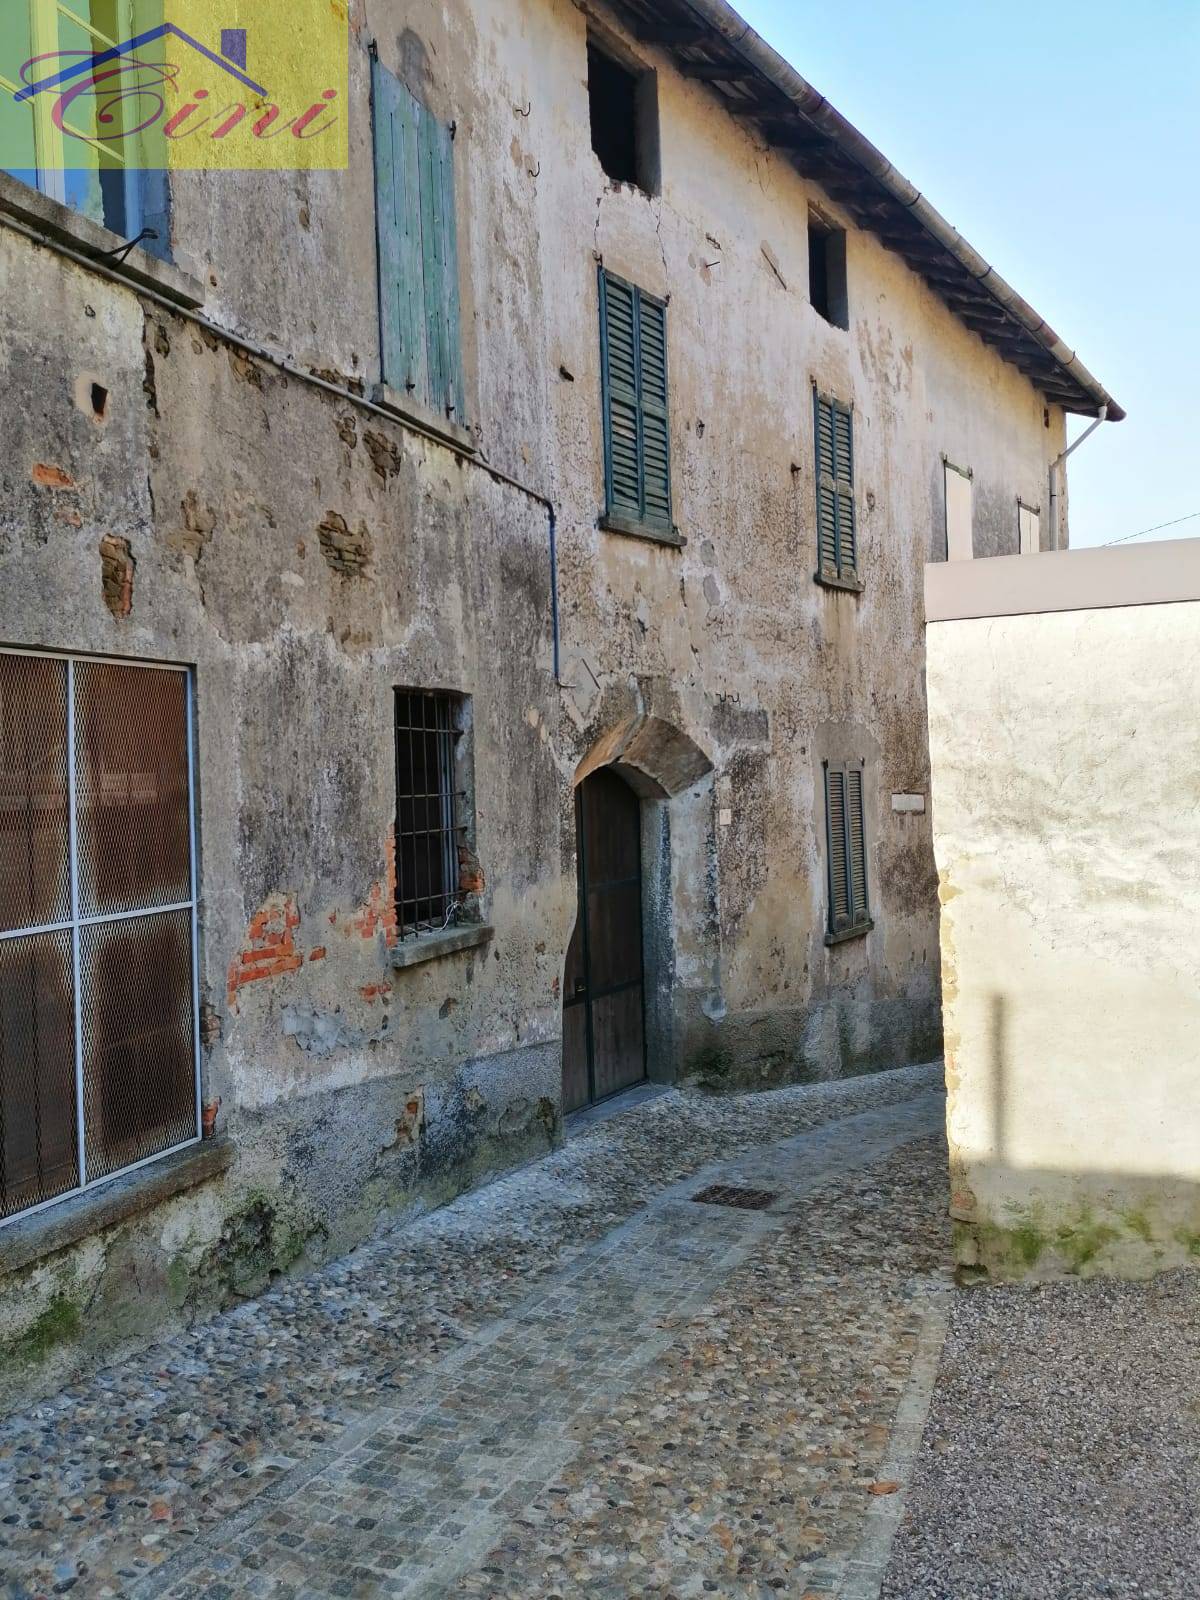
<point x="856" y="845"/>
<point x="839" y="881"/>
<point x="637" y="442"/>
<point x="418" y="248"/>
<point x="656" y="438"/>
<point x="847" y="849"/>
<point x="837" y="537"/>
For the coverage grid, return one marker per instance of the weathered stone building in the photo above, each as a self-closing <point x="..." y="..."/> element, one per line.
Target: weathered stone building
<point x="446" y="507"/>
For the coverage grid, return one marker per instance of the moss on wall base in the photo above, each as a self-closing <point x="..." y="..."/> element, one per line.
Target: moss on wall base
<point x="1040" y="1243"/>
<point x="59" y="1324"/>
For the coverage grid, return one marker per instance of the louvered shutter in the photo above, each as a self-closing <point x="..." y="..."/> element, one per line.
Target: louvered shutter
<point x="843" y="471"/>
<point x="837" y="538"/>
<point x="637" y="443"/>
<point x="656" y="441"/>
<point x="856" y="846"/>
<point x="418" y="248"/>
<point x="839" y="881"/>
<point x="622" y="433"/>
<point x="827" y="531"/>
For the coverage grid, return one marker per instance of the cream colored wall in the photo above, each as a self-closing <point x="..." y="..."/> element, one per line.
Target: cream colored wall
<point x="1066" y="790"/>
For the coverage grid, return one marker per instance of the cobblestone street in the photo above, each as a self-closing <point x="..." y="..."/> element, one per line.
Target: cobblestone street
<point x="577" y="1381"/>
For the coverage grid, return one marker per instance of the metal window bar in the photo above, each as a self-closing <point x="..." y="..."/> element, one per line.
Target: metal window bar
<point x="99" y="1020"/>
<point x="427" y="811"/>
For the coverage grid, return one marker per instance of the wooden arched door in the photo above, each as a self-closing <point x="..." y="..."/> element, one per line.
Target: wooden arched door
<point x="604" y="1040"/>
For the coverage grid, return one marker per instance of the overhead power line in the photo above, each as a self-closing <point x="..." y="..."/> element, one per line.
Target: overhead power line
<point x="1157" y="528"/>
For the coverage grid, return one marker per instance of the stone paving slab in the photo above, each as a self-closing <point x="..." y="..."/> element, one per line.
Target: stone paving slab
<point x="387" y="1425"/>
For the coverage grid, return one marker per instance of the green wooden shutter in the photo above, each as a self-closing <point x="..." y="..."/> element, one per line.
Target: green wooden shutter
<point x="827" y="535"/>
<point x="837" y="536"/>
<point x="656" y="437"/>
<point x="418" y="248"/>
<point x="839" y="878"/>
<point x="637" y="440"/>
<point x="622" y="429"/>
<point x="856" y="851"/>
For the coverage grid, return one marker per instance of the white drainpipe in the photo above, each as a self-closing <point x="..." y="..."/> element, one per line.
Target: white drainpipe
<point x="1056" y="467"/>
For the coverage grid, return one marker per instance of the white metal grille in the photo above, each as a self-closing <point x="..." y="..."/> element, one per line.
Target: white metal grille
<point x="99" y="1045"/>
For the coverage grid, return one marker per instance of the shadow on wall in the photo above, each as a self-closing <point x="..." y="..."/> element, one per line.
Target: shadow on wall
<point x="1019" y="1218"/>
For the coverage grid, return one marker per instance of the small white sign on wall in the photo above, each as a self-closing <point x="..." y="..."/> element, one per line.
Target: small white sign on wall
<point x="908" y="802"/>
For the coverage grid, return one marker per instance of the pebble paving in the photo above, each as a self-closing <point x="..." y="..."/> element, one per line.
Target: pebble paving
<point x="1061" y="1458"/>
<point x="579" y="1381"/>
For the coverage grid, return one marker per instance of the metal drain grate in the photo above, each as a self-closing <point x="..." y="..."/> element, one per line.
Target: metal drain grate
<point x="721" y="1194"/>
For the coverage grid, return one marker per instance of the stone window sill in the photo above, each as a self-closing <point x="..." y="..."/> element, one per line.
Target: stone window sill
<point x="79" y="1216"/>
<point x="410" y="410"/>
<point x="844" y="935"/>
<point x="655" y="533"/>
<point x="837" y="580"/>
<point x="421" y="947"/>
<point x="87" y="238"/>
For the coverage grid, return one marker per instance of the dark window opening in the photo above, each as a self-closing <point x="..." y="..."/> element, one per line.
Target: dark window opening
<point x="623" y="103"/>
<point x="99" y="398"/>
<point x="428" y="730"/>
<point x="849" y="911"/>
<point x="827" y="271"/>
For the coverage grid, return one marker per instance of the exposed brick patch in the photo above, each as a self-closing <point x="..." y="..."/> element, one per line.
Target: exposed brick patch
<point x="245" y="368"/>
<point x="375" y="991"/>
<point x="270" y="947"/>
<point x="49" y="477"/>
<point x="470" y="873"/>
<point x="345" y="552"/>
<point x="379" y="913"/>
<point x="318" y="954"/>
<point x="198" y="524"/>
<point x="385" y="457"/>
<point x="341" y="380"/>
<point x="116" y="574"/>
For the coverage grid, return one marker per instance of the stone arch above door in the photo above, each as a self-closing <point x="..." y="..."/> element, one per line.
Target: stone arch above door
<point x="655" y="758"/>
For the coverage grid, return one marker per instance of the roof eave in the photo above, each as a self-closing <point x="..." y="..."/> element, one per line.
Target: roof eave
<point x="1075" y="389"/>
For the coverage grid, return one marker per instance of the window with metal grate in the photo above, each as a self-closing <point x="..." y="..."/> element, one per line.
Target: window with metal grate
<point x="98" y="1046"/>
<point x="429" y="828"/>
<point x="837" y="534"/>
<point x="846" y="848"/>
<point x="637" y="436"/>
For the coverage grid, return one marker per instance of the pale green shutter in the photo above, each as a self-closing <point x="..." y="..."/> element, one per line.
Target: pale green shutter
<point x="418" y="248"/>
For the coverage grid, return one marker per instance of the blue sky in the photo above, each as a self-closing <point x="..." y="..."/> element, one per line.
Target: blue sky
<point x="1062" y="139"/>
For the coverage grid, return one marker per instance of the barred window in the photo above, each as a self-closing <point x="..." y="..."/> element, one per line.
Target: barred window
<point x="429" y="727"/>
